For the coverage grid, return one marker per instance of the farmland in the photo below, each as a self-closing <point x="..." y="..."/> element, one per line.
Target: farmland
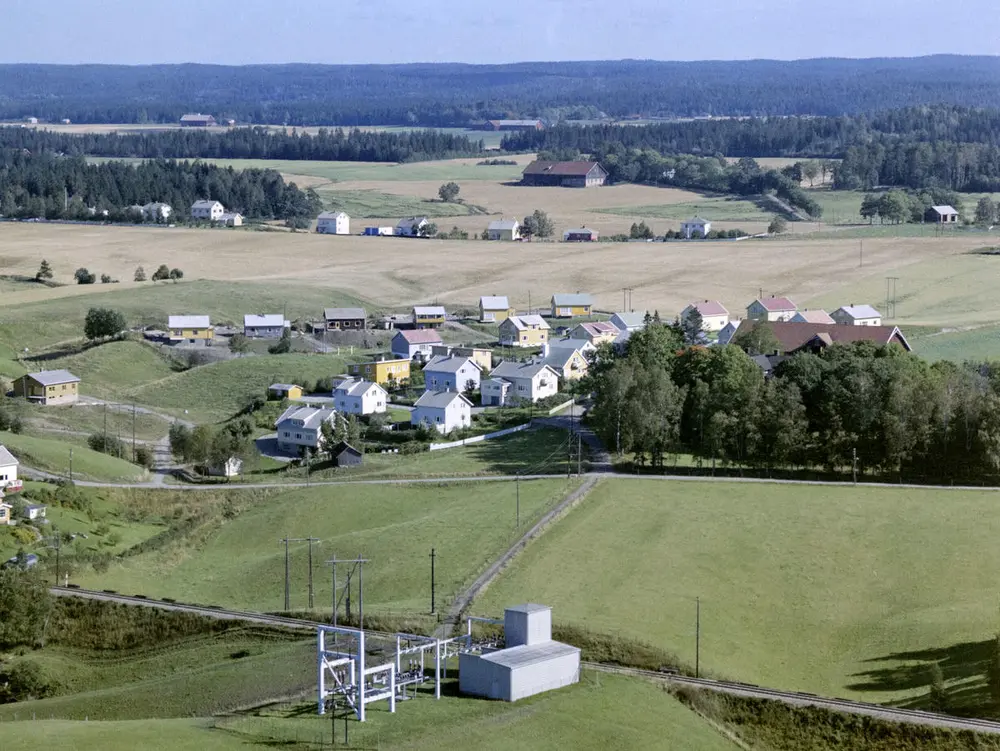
<point x="840" y="591"/>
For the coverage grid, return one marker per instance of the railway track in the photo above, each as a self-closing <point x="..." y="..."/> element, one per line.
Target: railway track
<point x="793" y="698"/>
<point x="803" y="699"/>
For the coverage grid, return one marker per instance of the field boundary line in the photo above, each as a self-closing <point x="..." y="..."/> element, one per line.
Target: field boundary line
<point x="464" y="599"/>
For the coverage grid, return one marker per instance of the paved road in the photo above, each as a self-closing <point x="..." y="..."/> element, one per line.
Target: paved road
<point x="792" y="698"/>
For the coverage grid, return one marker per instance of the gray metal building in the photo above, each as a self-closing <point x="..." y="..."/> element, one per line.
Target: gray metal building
<point x="530" y="663"/>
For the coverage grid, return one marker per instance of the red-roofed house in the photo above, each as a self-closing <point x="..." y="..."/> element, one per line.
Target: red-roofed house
<point x="410" y="343"/>
<point x="714" y="315"/>
<point x="771" y="309"/>
<point x="798" y="337"/>
<point x="564" y="174"/>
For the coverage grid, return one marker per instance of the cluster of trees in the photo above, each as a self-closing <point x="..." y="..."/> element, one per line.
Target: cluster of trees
<point x="51" y="186"/>
<point x="881" y="407"/>
<point x="455" y="94"/>
<point x="248" y="143"/>
<point x="208" y="446"/>
<point x="114" y="446"/>
<point x="898" y="206"/>
<point x="966" y="167"/>
<point x="104" y="323"/>
<point x="449" y="192"/>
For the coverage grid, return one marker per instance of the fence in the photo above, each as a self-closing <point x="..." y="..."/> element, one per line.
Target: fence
<point x="478" y="438"/>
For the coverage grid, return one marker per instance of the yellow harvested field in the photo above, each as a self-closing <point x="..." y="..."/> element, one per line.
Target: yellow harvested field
<point x="939" y="283"/>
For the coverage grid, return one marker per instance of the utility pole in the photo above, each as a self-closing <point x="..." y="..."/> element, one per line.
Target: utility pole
<point x="287" y="592"/>
<point x="432" y="580"/>
<point x="697" y="637"/>
<point x="861" y="252"/>
<point x="311" y="540"/>
<point x="854" y="464"/>
<point x="517" y="511"/>
<point x="579" y="455"/>
<point x="71" y="465"/>
<point x="133" y="432"/>
<point x="105" y="426"/>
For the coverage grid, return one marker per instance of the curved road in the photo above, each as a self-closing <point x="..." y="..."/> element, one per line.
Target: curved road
<point x="793" y="698"/>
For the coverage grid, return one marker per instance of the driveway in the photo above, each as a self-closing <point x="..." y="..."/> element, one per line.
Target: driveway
<point x="267" y="445"/>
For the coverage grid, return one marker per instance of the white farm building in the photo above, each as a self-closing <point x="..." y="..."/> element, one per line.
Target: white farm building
<point x="333" y="223"/>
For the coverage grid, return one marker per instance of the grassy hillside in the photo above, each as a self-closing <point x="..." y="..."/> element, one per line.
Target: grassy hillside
<point x="40" y="324"/>
<point x="108" y="369"/>
<point x="240" y="562"/>
<point x="715" y="208"/>
<point x="52" y="455"/>
<point x="824" y="589"/>
<point x="218" y="391"/>
<point x="81" y="418"/>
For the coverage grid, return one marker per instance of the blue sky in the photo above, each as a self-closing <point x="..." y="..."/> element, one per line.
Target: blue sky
<point x="475" y="31"/>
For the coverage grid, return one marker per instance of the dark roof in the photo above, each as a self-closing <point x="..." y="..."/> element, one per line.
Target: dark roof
<point x="795" y="336"/>
<point x="564" y="169"/>
<point x="343" y="447"/>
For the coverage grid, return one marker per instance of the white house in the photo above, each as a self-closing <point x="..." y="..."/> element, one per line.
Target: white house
<point x="524" y="331"/>
<point x="229" y="468"/>
<point x="409" y="343"/>
<point x="811" y="316"/>
<point x="333" y="223"/>
<point x="444" y="411"/>
<point x="8" y="471"/>
<point x="530" y="381"/>
<point x="450" y="373"/>
<point x="354" y="396"/>
<point x="231" y="219"/>
<point x="857" y="315"/>
<point x="504" y="229"/>
<point x="210" y="211"/>
<point x="35" y="511"/>
<point x="696" y="227"/>
<point x="157" y="212"/>
<point x="300" y="427"/>
<point x="714" y="315"/>
<point x="630" y="320"/>
<point x="411" y="227"/>
<point x="264" y="326"/>
<point x="771" y="309"/>
<point x="494" y="392"/>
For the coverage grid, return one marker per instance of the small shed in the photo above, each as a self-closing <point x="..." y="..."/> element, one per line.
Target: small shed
<point x="941" y="215"/>
<point x="33" y="511"/>
<point x="345" y="455"/>
<point x="581" y="235"/>
<point x="284" y="391"/>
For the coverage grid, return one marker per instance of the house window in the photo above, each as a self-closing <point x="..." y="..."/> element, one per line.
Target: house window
<point x="438" y="419"/>
<point x="287" y="434"/>
<point x="299" y="436"/>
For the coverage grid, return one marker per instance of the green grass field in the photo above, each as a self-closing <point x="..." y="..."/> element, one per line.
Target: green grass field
<point x="52" y="455"/>
<point x="90" y="419"/>
<point x="715" y="208"/>
<point x="360" y="204"/>
<point x="602" y="712"/>
<point x="240" y="563"/>
<point x="813" y="588"/>
<point x="979" y="343"/>
<point x="219" y="390"/>
<point x="41" y="324"/>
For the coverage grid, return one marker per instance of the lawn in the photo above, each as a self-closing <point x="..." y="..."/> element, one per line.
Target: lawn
<point x="977" y="343"/>
<point x="826" y="589"/>
<point x="220" y="390"/>
<point x="603" y="712"/>
<point x="542" y="451"/>
<point x="713" y="208"/>
<point x="444" y="170"/>
<point x="85" y="419"/>
<point x="57" y="319"/>
<point x="240" y="563"/>
<point x="52" y="455"/>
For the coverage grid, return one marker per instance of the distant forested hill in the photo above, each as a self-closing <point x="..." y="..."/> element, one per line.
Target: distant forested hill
<point x="454" y="94"/>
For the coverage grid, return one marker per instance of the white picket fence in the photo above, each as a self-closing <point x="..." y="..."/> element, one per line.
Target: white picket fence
<point x="479" y="438"/>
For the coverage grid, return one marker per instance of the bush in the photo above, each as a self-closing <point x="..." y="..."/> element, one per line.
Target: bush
<point x="140" y="274"/>
<point x="497" y="163"/>
<point x="83" y="276"/>
<point x="107" y="444"/>
<point x="102" y="323"/>
<point x="161" y="273"/>
<point x="176" y="274"/>
<point x="777" y="226"/>
<point x="23" y="681"/>
<point x="144" y="456"/>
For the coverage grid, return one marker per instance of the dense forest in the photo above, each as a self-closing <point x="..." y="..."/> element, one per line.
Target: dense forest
<point x="248" y="143"/>
<point x="818" y="137"/>
<point x="904" y="417"/>
<point x="455" y="94"/>
<point x="61" y="187"/>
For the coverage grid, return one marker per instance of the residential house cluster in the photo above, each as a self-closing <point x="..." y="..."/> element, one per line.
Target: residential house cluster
<point x="215" y="212"/>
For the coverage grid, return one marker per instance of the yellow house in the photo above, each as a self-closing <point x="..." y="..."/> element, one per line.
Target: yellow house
<point x="191" y="329"/>
<point x="48" y="387"/>
<point x="382" y="370"/>
<point x="567" y="360"/>
<point x="571" y="305"/>
<point x="284" y="391"/>
<point x="494" y="309"/>
<point x="428" y="316"/>
<point x="479" y="355"/>
<point x="524" y="331"/>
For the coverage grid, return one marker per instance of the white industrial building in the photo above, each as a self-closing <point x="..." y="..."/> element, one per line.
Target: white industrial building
<point x="530" y="664"/>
